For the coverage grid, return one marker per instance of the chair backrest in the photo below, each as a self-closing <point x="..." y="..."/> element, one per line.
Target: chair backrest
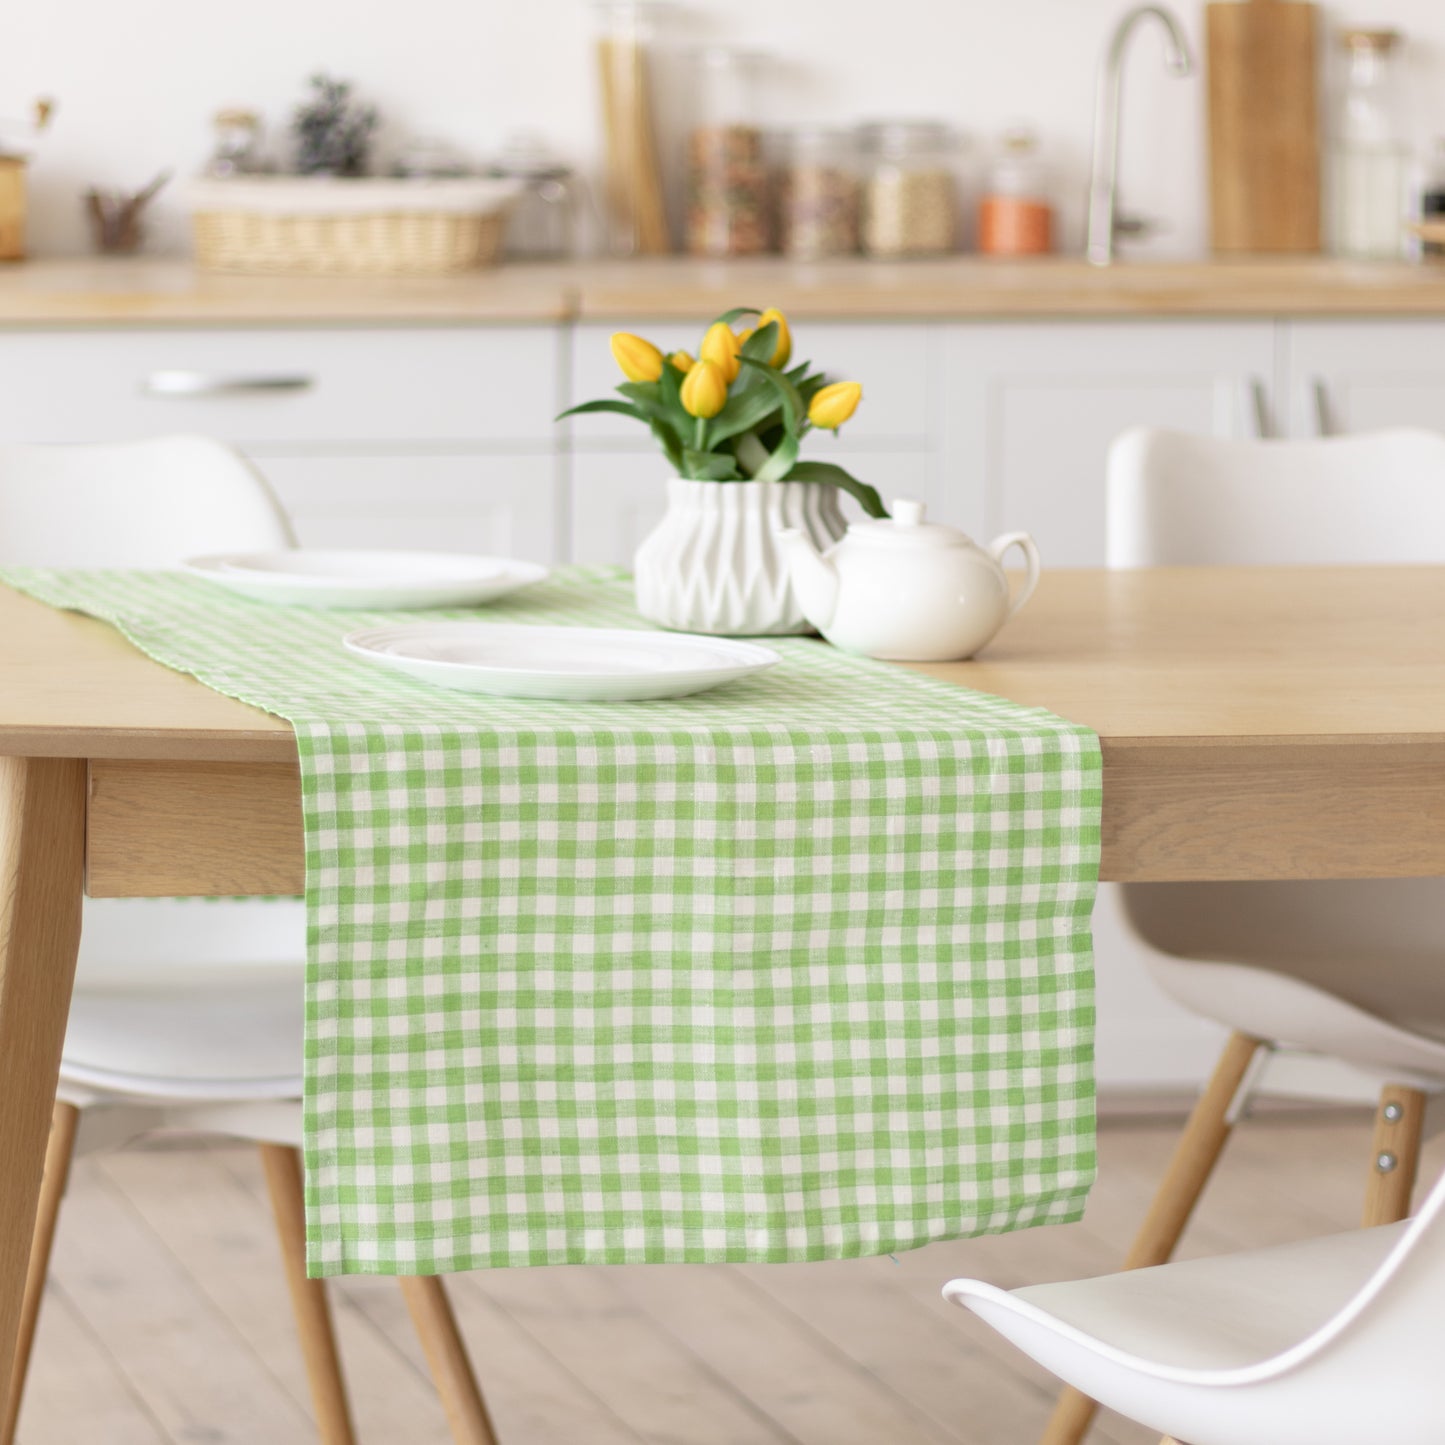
<point x="133" y="504"/>
<point x="1180" y="500"/>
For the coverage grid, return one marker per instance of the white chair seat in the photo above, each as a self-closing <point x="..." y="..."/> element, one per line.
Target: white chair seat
<point x="1209" y="1315"/>
<point x="199" y="1033"/>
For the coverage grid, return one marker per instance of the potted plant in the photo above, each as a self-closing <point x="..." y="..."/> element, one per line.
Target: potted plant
<point x="731" y="424"/>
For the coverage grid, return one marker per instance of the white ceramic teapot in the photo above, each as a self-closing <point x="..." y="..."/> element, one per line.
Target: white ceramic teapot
<point x="906" y="589"/>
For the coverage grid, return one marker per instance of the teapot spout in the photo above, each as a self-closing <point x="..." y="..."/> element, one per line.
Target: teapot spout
<point x="814" y="577"/>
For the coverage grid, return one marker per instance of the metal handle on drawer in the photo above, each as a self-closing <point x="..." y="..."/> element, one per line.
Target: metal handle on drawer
<point x="1323" y="413"/>
<point x="212" y="383"/>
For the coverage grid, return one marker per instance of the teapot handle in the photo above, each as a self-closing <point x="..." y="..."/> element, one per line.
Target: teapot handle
<point x="1025" y="544"/>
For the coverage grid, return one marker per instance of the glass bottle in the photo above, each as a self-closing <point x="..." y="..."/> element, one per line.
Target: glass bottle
<point x="818" y="194"/>
<point x="1369" y="159"/>
<point x="910" y="189"/>
<point x="727" y="171"/>
<point x="543" y="222"/>
<point x="1432" y="204"/>
<point x="1016" y="211"/>
<point x="632" y="184"/>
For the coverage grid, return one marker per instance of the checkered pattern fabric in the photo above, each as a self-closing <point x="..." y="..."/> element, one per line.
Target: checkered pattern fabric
<point x="799" y="968"/>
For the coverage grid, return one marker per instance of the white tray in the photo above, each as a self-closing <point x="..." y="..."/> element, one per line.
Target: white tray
<point x="579" y="664"/>
<point x="376" y="580"/>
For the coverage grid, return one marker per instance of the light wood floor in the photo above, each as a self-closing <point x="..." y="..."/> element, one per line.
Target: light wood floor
<point x="166" y="1322"/>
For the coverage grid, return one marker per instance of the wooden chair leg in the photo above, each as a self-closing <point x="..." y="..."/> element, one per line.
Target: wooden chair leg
<point x="58" y="1154"/>
<point x="1189" y="1169"/>
<point x="1394" y="1155"/>
<point x="308" y="1297"/>
<point x="431" y="1313"/>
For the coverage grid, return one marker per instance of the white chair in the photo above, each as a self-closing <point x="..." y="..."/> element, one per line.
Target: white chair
<point x="188" y="1014"/>
<point x="1332" y="1341"/>
<point x="1353" y="971"/>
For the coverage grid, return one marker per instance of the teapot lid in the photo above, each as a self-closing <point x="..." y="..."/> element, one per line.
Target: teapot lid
<point x="906" y="527"/>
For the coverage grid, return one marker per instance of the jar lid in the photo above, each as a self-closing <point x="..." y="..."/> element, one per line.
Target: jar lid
<point x="895" y="137"/>
<point x="1382" y="41"/>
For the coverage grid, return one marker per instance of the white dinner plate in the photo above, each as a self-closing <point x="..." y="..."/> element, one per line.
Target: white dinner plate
<point x="578" y="664"/>
<point x="303" y="577"/>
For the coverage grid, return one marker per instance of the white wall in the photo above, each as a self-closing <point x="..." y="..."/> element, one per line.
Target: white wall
<point x="137" y="80"/>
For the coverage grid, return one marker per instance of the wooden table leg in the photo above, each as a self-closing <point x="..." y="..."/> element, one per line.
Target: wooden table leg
<point x="42" y="850"/>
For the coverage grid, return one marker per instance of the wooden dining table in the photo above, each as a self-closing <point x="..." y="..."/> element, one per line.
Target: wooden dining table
<point x="1255" y="723"/>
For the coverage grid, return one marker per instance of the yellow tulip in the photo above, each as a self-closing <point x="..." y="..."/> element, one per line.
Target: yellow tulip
<point x="832" y="406"/>
<point x="682" y="361"/>
<point x="720" y="347"/>
<point x="640" y="360"/>
<point x="784" y="348"/>
<point x="704" y="390"/>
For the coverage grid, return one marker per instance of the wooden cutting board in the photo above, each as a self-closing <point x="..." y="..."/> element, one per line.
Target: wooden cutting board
<point x="1264" y="125"/>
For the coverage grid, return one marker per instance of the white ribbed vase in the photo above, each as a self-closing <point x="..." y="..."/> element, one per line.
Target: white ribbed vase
<point x="713" y="564"/>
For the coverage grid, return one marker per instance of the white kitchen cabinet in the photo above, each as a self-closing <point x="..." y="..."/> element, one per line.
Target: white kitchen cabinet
<point x="312" y="386"/>
<point x="505" y="506"/>
<point x="1033" y="406"/>
<point x="1352" y="376"/>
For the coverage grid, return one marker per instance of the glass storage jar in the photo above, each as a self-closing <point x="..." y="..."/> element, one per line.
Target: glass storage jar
<point x="1015" y="211"/>
<point x="1370" y="161"/>
<point x="910" y="188"/>
<point x="727" y="170"/>
<point x="818" y="193"/>
<point x="632" y="180"/>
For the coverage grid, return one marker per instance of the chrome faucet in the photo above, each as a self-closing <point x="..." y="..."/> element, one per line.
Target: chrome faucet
<point x="1104" y="224"/>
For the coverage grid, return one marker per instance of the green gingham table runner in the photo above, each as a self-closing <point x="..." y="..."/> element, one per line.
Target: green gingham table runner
<point x="799" y="968"/>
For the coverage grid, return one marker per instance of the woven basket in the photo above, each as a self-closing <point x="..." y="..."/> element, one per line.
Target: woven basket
<point x="290" y="226"/>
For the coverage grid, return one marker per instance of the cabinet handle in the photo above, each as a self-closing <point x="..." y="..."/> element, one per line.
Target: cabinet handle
<point x="210" y="383"/>
<point x="1320" y="409"/>
<point x="1255" y="402"/>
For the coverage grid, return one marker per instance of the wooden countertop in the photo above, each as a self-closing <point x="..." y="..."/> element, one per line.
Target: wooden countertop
<point x="159" y="292"/>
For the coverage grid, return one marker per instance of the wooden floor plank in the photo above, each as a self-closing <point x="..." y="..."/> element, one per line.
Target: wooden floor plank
<point x="76" y="1392"/>
<point x="190" y="1366"/>
<point x="167" y="1322"/>
<point x="225" y="1241"/>
<point x="533" y="1398"/>
<point x="660" y="1390"/>
<point x="805" y="1384"/>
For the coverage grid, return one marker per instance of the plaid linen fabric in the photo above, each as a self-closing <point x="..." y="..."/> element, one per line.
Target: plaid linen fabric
<point x="799" y="968"/>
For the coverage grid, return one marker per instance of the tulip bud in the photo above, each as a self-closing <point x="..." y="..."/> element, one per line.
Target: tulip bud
<point x="704" y="390"/>
<point x="682" y="361"/>
<point x="720" y="347"/>
<point x="640" y="360"/>
<point x="784" y="348"/>
<point x="833" y="405"/>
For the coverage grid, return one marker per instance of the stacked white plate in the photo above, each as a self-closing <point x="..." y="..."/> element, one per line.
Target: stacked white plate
<point x="303" y="577"/>
<point x="577" y="664"/>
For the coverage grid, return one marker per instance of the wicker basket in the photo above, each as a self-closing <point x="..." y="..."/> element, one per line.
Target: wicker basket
<point x="289" y="225"/>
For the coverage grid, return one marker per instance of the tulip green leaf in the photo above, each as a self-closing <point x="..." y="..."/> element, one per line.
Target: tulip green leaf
<point x="710" y="466"/>
<point x="777" y="467"/>
<point x="622" y="408"/>
<point x="761" y="344"/>
<point x="793" y="408"/>
<point x="648" y="397"/>
<point x="736" y="314"/>
<point x="745" y="410"/>
<point x="834" y="475"/>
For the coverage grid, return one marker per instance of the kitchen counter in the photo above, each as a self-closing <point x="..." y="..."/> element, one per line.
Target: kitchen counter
<point x="145" y="292"/>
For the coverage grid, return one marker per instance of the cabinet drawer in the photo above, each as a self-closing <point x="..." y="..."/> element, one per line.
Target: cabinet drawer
<point x="270" y="386"/>
<point x="501" y="506"/>
<point x="896" y="365"/>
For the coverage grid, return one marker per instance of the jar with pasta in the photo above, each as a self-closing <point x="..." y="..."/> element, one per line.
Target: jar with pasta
<point x="728" y="201"/>
<point x="818" y="194"/>
<point x="910" y="189"/>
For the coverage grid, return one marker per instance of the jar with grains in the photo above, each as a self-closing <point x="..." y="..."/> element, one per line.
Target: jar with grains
<point x="910" y="189"/>
<point x="818" y="194"/>
<point x="727" y="170"/>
